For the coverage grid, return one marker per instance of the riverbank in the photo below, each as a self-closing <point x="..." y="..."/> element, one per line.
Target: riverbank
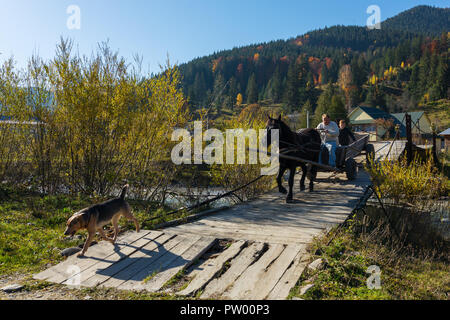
<point x="406" y="271"/>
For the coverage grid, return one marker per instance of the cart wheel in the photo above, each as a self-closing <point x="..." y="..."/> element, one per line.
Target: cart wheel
<point x="350" y="169"/>
<point x="370" y="154"/>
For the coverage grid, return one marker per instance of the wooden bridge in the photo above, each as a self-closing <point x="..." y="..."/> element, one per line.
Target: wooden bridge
<point x="263" y="257"/>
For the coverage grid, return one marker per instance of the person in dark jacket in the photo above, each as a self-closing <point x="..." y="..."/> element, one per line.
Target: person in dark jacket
<point x="345" y="134"/>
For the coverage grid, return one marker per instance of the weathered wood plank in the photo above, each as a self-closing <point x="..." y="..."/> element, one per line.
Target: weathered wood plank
<point x="207" y="270"/>
<point x="156" y="266"/>
<point x="245" y="285"/>
<point x="251" y="236"/>
<point x="290" y="277"/>
<point x="238" y="265"/>
<point x="183" y="261"/>
<point x="255" y="229"/>
<point x="105" y="270"/>
<point x="132" y="273"/>
<point x="65" y="269"/>
<point x="272" y="275"/>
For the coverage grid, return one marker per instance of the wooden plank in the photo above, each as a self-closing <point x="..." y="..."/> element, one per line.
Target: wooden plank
<point x="209" y="269"/>
<point x="99" y="260"/>
<point x="274" y="273"/>
<point x="135" y="282"/>
<point x="290" y="277"/>
<point x="183" y="261"/>
<point x="254" y="228"/>
<point x="141" y="265"/>
<point x="244" y="286"/>
<point x="65" y="269"/>
<point x="47" y="273"/>
<point x="238" y="265"/>
<point x="235" y="229"/>
<point x="105" y="270"/>
<point x="279" y="237"/>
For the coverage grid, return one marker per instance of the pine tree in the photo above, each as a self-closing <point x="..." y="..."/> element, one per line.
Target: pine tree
<point x="276" y="88"/>
<point x="232" y="87"/>
<point x="218" y="91"/>
<point x="252" y="90"/>
<point x="337" y="110"/>
<point x="442" y="82"/>
<point x="291" y="94"/>
<point x="414" y="82"/>
<point x="424" y="71"/>
<point x="198" y="91"/>
<point x="323" y="104"/>
<point x="324" y="74"/>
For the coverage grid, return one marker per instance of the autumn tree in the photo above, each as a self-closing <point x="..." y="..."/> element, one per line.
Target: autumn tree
<point x="239" y="100"/>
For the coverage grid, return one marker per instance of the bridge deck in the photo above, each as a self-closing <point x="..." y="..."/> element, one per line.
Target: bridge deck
<point x="270" y="219"/>
<point x="268" y="241"/>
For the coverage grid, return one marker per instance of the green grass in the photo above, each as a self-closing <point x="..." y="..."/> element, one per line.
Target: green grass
<point x="32" y="227"/>
<point x="439" y="113"/>
<point x="31" y="230"/>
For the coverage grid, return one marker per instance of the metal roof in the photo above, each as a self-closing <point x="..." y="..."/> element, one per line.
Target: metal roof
<point x="445" y="133"/>
<point x="415" y="116"/>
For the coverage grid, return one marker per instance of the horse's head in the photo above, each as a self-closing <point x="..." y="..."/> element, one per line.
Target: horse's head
<point x="273" y="124"/>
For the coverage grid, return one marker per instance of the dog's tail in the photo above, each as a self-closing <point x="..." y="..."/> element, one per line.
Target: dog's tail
<point x="124" y="191"/>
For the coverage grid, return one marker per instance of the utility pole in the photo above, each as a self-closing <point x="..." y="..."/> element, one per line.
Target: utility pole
<point x="434" y="150"/>
<point x="307" y="118"/>
<point x="409" y="139"/>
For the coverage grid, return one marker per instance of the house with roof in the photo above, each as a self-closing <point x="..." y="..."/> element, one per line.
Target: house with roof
<point x="420" y="124"/>
<point x="445" y="139"/>
<point x="377" y="123"/>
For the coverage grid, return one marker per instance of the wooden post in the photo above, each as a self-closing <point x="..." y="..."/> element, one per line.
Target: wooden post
<point x="435" y="155"/>
<point x="409" y="155"/>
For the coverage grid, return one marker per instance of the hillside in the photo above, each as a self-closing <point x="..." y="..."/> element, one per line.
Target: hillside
<point x="421" y="19"/>
<point x="394" y="68"/>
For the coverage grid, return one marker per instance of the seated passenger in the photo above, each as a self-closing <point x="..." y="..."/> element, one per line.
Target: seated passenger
<point x="331" y="131"/>
<point x="345" y="134"/>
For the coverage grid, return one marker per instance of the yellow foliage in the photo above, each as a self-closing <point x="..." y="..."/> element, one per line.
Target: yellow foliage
<point x="231" y="176"/>
<point x="99" y="123"/>
<point x="403" y="183"/>
<point x="239" y="99"/>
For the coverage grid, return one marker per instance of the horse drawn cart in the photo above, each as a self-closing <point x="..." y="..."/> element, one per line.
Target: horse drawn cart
<point x="345" y="157"/>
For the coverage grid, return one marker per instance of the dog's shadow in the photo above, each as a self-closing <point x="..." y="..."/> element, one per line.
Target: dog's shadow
<point x="141" y="263"/>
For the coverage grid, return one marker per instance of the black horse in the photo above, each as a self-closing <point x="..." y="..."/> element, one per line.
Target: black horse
<point x="304" y="144"/>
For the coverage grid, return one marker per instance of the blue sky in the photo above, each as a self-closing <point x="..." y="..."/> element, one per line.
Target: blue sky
<point x="184" y="29"/>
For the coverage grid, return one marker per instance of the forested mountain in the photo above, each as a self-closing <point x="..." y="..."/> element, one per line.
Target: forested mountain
<point x="421" y="19"/>
<point x="395" y="68"/>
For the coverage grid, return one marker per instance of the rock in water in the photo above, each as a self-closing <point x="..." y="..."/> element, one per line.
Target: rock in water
<point x="70" y="251"/>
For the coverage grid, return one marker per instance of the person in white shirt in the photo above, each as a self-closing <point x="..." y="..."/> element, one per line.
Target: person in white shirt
<point x="331" y="130"/>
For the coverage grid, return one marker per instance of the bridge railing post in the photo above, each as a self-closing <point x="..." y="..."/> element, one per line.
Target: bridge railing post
<point x="409" y="155"/>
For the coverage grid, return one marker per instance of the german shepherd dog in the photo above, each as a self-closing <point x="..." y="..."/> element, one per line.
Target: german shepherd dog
<point x="97" y="216"/>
